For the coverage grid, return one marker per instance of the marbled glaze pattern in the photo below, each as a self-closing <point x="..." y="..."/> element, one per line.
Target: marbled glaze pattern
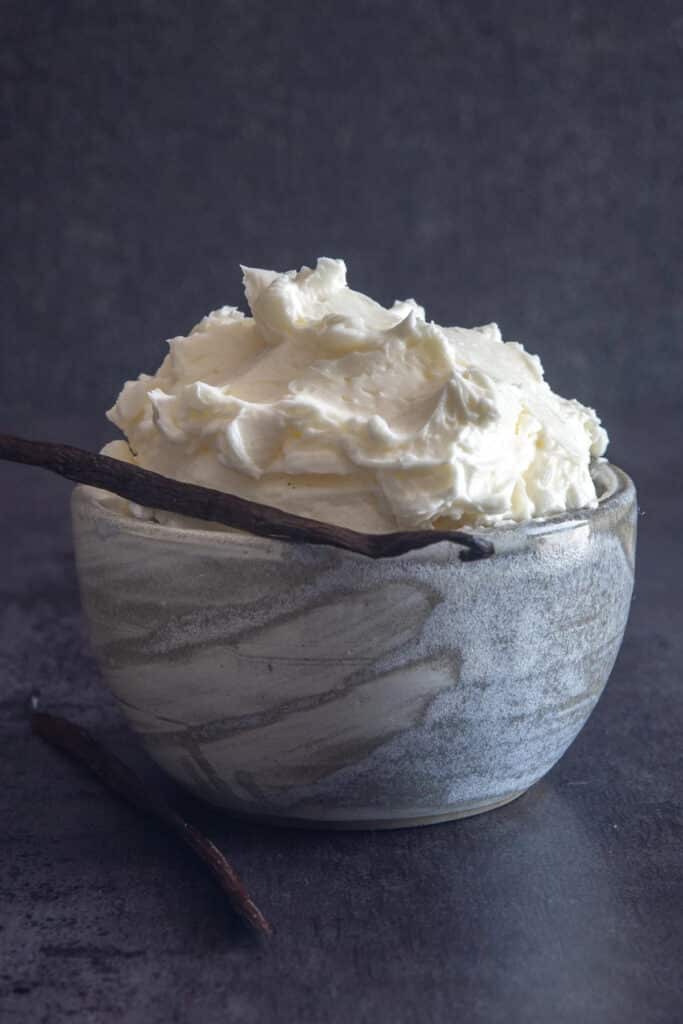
<point x="310" y="684"/>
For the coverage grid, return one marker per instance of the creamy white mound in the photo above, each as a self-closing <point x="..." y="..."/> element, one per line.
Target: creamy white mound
<point x="327" y="404"/>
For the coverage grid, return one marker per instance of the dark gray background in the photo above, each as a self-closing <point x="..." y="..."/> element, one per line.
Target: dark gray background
<point x="512" y="161"/>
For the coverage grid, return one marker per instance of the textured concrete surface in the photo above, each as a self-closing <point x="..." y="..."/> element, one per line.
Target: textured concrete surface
<point x="518" y="162"/>
<point x="565" y="905"/>
<point x="497" y="161"/>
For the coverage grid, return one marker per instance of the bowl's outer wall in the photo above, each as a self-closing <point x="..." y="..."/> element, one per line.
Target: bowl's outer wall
<point x="286" y="680"/>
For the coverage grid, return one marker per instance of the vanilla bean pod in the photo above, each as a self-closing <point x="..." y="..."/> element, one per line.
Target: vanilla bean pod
<point x="80" y="745"/>
<point x="159" y="492"/>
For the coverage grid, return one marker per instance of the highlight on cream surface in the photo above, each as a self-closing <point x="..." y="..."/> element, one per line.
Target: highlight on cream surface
<point x="326" y="404"/>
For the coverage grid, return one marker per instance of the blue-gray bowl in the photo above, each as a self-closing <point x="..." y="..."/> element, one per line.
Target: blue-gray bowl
<point x="308" y="685"/>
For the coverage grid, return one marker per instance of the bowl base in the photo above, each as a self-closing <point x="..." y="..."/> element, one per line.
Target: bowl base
<point x="373" y="824"/>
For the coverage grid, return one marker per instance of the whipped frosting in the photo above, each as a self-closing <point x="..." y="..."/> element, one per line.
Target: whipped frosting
<point x="326" y="404"/>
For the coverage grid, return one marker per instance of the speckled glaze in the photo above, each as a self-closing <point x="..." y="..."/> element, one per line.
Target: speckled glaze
<point x="313" y="686"/>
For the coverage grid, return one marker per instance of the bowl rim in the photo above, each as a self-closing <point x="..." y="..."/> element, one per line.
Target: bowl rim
<point x="618" y="491"/>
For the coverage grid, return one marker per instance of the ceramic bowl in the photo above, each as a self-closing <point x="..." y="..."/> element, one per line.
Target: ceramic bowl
<point x="307" y="685"/>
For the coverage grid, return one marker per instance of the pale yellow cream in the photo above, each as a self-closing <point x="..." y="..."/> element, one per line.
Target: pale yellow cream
<point x="327" y="404"/>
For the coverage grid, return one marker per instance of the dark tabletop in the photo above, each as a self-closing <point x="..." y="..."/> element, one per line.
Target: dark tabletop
<point x="510" y="161"/>
<point x="564" y="906"/>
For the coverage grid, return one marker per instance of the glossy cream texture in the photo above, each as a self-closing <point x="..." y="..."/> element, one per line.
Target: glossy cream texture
<point x="327" y="404"/>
